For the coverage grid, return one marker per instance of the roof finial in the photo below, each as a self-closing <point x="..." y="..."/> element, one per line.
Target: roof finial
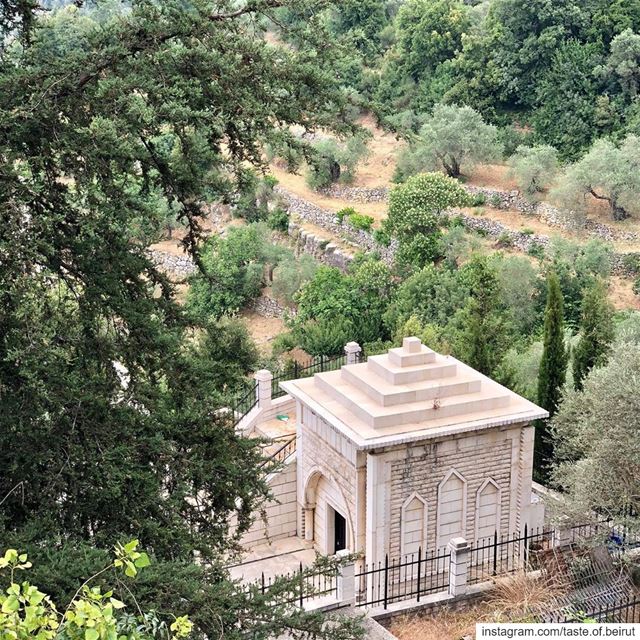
<point x="412" y="345"/>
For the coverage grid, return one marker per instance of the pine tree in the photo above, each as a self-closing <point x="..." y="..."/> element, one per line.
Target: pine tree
<point x="553" y="369"/>
<point x="596" y="333"/>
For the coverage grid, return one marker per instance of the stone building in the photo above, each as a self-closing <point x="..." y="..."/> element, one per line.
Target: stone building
<point x="409" y="449"/>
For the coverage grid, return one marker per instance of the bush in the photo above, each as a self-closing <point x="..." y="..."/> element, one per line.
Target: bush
<point x="536" y="250"/>
<point x="636" y="286"/>
<point x="278" y="220"/>
<point x="290" y="275"/>
<point x="631" y="262"/>
<point x="477" y="199"/>
<point x="345" y="213"/>
<point x="527" y="231"/>
<point x="505" y="240"/>
<point x="361" y="221"/>
<point x="495" y="201"/>
<point x="382" y="236"/>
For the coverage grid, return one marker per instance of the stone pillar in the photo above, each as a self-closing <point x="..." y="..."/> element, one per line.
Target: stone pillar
<point x="459" y="566"/>
<point x="263" y="388"/>
<point x="308" y="523"/>
<point x="353" y="350"/>
<point x="346" y="581"/>
<point x="563" y="536"/>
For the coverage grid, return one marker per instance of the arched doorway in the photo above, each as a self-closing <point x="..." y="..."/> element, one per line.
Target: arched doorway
<point x="327" y="517"/>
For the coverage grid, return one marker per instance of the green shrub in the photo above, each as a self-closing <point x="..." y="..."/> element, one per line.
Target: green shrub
<point x="527" y="231"/>
<point x="361" y="221"/>
<point x="631" y="262"/>
<point x="495" y="201"/>
<point x="478" y="199"/>
<point x="382" y="236"/>
<point x="536" y="250"/>
<point x="278" y="220"/>
<point x="505" y="240"/>
<point x="347" y="212"/>
<point x="636" y="286"/>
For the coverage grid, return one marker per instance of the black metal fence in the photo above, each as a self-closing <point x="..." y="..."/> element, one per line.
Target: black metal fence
<point x="394" y="580"/>
<point x="243" y="403"/>
<point x="499" y="555"/>
<point x="626" y="610"/>
<point x="284" y="447"/>
<point x="299" y="586"/>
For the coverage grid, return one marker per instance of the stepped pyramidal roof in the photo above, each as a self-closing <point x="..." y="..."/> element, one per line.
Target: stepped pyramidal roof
<point x="410" y="393"/>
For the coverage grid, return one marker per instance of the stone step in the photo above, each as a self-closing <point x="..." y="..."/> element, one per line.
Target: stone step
<point x="386" y="394"/>
<point x="439" y="368"/>
<point x="378" y="416"/>
<point x="401" y="357"/>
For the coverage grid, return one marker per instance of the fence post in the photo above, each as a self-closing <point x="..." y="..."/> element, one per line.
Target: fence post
<point x="352" y="349"/>
<point x="458" y="566"/>
<point x="263" y="380"/>
<point x="346" y="580"/>
<point x="562" y="536"/>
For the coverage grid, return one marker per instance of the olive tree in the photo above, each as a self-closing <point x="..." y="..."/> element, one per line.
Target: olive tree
<point x="534" y="168"/>
<point x="452" y="137"/>
<point x="596" y="437"/>
<point x="609" y="173"/>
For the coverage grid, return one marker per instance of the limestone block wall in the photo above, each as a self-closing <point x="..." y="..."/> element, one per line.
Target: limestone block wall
<point x="280" y="512"/>
<point x="327" y="474"/>
<point x="469" y="486"/>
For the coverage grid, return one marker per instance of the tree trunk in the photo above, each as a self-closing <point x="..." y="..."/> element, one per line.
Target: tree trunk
<point x="334" y="169"/>
<point x="618" y="211"/>
<point x="452" y="168"/>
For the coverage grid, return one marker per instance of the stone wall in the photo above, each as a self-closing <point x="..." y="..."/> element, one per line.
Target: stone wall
<point x="280" y="512"/>
<point x="474" y="461"/>
<point x="356" y="194"/>
<point x="396" y="476"/>
<point x="178" y="265"/>
<point x="320" y="248"/>
<point x="267" y="307"/>
<point x="500" y="199"/>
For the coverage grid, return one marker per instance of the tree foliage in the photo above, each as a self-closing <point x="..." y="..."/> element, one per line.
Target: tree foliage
<point x="607" y="173"/>
<point x="534" y="168"/>
<point x="553" y="369"/>
<point x="596" y="435"/>
<point x="108" y="427"/>
<point x="452" y="138"/>
<point x="596" y="333"/>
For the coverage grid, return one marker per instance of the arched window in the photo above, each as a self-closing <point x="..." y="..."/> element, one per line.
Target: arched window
<point x="413" y="525"/>
<point x="452" y="508"/>
<point x="487" y="509"/>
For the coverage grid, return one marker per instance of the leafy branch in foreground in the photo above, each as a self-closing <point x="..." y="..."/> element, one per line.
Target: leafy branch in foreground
<point x="27" y="612"/>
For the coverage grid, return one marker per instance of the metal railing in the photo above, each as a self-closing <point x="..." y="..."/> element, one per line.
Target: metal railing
<point x="625" y="610"/>
<point x="499" y="555"/>
<point x="286" y="448"/>
<point x="394" y="580"/>
<point x="299" y="586"/>
<point x="243" y="403"/>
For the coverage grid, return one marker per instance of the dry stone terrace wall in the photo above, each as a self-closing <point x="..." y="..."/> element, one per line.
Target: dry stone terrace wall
<point x="330" y="254"/>
<point x="499" y="199"/>
<point x="267" y="307"/>
<point x="179" y="265"/>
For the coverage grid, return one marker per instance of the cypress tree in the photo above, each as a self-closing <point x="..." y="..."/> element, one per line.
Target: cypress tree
<point x="553" y="369"/>
<point x="596" y="333"/>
